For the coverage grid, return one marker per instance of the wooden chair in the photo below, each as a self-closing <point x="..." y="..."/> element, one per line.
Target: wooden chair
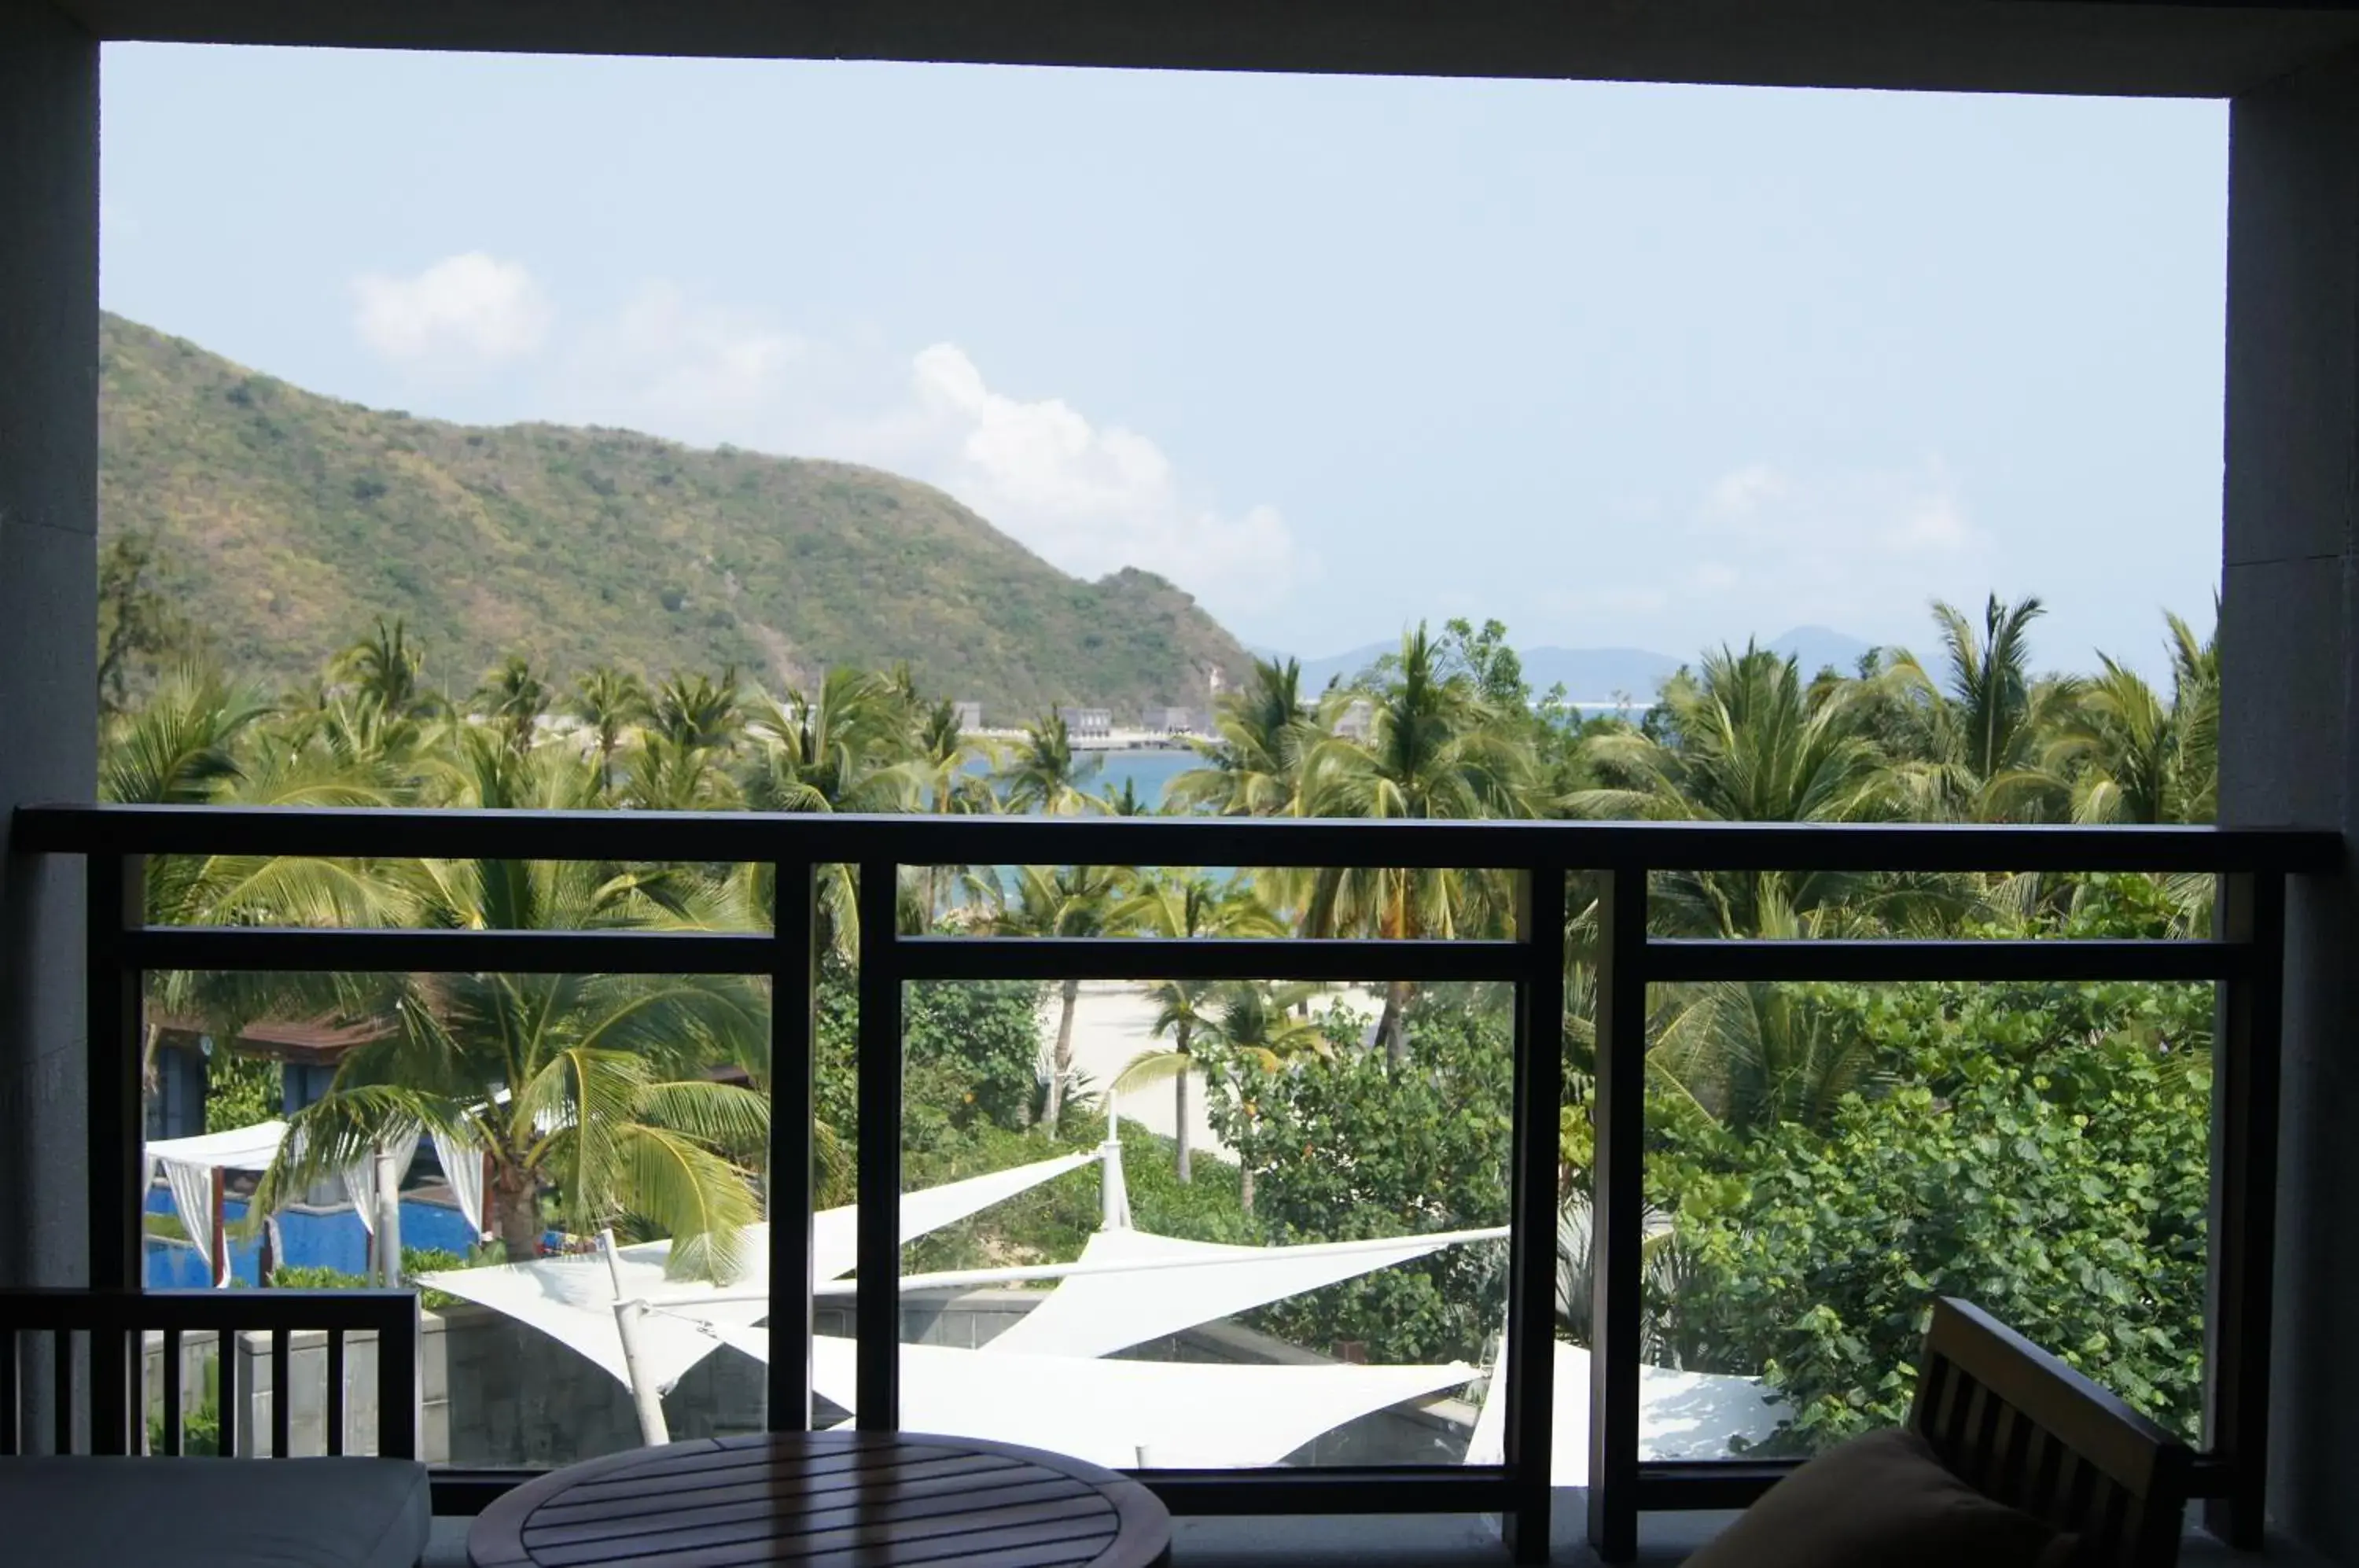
<point x="2021" y="1426"/>
<point x="103" y="1333"/>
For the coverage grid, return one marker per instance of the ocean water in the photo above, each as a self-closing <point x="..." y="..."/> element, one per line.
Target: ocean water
<point x="1150" y="772"/>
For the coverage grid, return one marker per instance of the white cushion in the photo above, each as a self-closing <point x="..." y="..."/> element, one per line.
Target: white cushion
<point x="80" y="1511"/>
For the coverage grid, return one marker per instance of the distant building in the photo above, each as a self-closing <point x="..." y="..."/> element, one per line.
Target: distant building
<point x="1174" y="720"/>
<point x="1359" y="721"/>
<point x="1087" y="724"/>
<point x="970" y="717"/>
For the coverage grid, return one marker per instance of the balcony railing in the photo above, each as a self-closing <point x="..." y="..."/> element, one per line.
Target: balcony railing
<point x="2245" y="958"/>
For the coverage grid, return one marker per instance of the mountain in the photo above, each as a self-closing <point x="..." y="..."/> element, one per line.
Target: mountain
<point x="286" y="523"/>
<point x="1601" y="676"/>
<point x="1815" y="648"/>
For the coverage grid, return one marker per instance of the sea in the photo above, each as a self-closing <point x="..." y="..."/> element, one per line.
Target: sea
<point x="1149" y="772"/>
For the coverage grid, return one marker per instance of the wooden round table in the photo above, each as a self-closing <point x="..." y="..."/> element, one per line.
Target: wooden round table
<point x="826" y="1499"/>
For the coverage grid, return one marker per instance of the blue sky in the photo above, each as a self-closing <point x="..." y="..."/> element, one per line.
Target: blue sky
<point x="1618" y="364"/>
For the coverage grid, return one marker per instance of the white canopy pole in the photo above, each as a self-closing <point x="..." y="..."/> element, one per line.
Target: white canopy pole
<point x="1113" y="1195"/>
<point x="645" y="1396"/>
<point x="388" y="1218"/>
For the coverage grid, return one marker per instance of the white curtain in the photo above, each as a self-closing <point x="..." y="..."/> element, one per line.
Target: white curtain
<point x="463" y="1168"/>
<point x="192" y="1197"/>
<point x="360" y="1176"/>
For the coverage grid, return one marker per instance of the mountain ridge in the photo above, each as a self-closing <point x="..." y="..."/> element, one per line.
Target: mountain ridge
<point x="1599" y="675"/>
<point x="285" y="522"/>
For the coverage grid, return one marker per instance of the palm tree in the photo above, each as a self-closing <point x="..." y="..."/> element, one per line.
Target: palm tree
<point x="1261" y="1020"/>
<point x="1965" y="741"/>
<point x="594" y="1088"/>
<point x="1437" y="748"/>
<point x="385" y="669"/>
<point x="1180" y="907"/>
<point x="1061" y="901"/>
<point x="610" y="702"/>
<point x="702" y="714"/>
<point x="838" y="748"/>
<point x="664" y="774"/>
<point x="196" y="742"/>
<point x="1265" y="736"/>
<point x="1043" y="772"/>
<point x="2130" y="756"/>
<point x="1747" y="740"/>
<point x="514" y="700"/>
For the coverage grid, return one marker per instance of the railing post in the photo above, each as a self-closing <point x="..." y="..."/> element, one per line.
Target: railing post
<point x="1616" y="1213"/>
<point x="117" y="903"/>
<point x="1531" y="1272"/>
<point x="877" y="1310"/>
<point x="2245" y="1088"/>
<point x="794" y="1040"/>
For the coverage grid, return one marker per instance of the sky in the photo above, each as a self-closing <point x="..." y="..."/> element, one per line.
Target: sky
<point x="1618" y="366"/>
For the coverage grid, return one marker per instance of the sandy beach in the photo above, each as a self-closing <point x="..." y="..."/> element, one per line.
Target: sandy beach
<point x="1113" y="1022"/>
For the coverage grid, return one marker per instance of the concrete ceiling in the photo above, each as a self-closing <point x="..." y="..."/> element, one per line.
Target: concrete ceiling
<point x="2036" y="46"/>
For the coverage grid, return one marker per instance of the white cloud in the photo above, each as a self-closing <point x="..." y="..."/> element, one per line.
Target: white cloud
<point x="1745" y="492"/>
<point x="694" y="372"/>
<point x="1089" y="498"/>
<point x="1863" y="548"/>
<point x="463" y="314"/>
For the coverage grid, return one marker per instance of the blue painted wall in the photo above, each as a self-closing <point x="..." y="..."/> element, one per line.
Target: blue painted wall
<point x="329" y="1240"/>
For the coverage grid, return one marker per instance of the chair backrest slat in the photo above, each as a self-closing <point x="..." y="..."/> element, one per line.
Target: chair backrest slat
<point x="61" y="1378"/>
<point x="169" y="1392"/>
<point x="2019" y="1425"/>
<point x="282" y="1412"/>
<point x="335" y="1390"/>
<point x="11" y="1398"/>
<point x="113" y="1399"/>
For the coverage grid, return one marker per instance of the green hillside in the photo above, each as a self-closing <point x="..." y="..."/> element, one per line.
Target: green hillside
<point x="289" y="522"/>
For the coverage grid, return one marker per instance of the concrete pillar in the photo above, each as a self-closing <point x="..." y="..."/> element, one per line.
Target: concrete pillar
<point x="49" y="523"/>
<point x="2289" y="658"/>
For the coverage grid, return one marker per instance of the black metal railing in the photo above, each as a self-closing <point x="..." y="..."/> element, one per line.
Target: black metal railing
<point x="2245" y="958"/>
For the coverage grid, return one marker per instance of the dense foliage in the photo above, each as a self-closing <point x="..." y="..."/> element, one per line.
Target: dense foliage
<point x="1820" y="1159"/>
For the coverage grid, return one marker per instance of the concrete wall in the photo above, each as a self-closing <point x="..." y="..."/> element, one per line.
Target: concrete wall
<point x="49" y="520"/>
<point x="2290" y="658"/>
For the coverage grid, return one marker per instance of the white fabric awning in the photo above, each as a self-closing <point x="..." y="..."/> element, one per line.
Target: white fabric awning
<point x="1182" y="1283"/>
<point x="1174" y="1414"/>
<point x="239" y="1149"/>
<point x="189" y="1164"/>
<point x="573" y="1299"/>
<point x="835" y="1232"/>
<point x="1682" y="1415"/>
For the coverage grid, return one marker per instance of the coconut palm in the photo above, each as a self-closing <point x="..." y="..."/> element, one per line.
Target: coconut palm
<point x="514" y="700"/>
<point x="1437" y="748"/>
<point x="1060" y="902"/>
<point x="841" y="747"/>
<point x="1267" y="1022"/>
<point x="386" y="668"/>
<point x="701" y="714"/>
<point x="1966" y="740"/>
<point x="1043" y="772"/>
<point x="196" y="742"/>
<point x="593" y="1090"/>
<point x="1178" y="908"/>
<point x="1746" y="740"/>
<point x="663" y="773"/>
<point x="1266" y="735"/>
<point x="609" y="702"/>
<point x="2129" y="757"/>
